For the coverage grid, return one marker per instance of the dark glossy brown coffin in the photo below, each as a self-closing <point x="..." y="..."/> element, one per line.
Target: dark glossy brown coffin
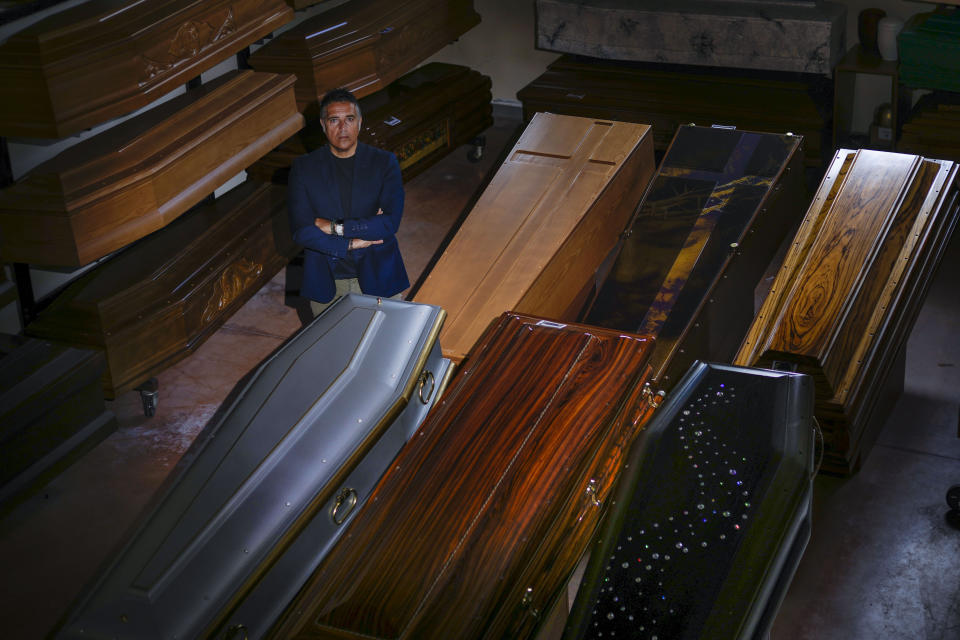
<point x="474" y="530"/>
<point x="159" y="300"/>
<point x="105" y="58"/>
<point x="542" y="227"/>
<point x="363" y="45"/>
<point x="421" y="117"/>
<point x="668" y="96"/>
<point x="51" y="411"/>
<point x="116" y="187"/>
<point x="843" y="304"/>
<point x="718" y="208"/>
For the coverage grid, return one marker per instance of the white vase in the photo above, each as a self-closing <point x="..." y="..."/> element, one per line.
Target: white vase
<point x="887" y="30"/>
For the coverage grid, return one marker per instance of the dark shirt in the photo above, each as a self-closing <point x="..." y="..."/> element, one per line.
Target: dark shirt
<point x="344" y="267"/>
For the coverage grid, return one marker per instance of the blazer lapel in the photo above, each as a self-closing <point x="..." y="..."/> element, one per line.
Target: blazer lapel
<point x="328" y="198"/>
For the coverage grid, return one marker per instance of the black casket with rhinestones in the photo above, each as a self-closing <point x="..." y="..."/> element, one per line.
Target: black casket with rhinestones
<point x="711" y="515"/>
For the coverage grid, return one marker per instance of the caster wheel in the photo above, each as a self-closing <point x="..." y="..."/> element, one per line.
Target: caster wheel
<point x="953" y="497"/>
<point x="149" y="395"/>
<point x="476" y="153"/>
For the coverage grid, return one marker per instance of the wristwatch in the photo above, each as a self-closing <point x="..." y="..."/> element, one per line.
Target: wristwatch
<point x="338" y="227"/>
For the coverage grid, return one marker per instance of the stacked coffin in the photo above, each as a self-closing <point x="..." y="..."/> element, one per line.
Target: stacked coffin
<point x="933" y="127"/>
<point x="100" y="60"/>
<point x="273" y="483"/>
<point x="851" y="285"/>
<point x="107" y="191"/>
<point x="363" y="45"/>
<point x="476" y="527"/>
<point x="51" y="410"/>
<point x="419" y="118"/>
<point x="670" y="96"/>
<point x="549" y="217"/>
<point x="716" y="212"/>
<point x="157" y="301"/>
<point x="711" y="515"/>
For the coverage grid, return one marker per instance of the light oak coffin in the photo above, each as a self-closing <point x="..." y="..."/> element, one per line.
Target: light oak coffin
<point x="114" y="188"/>
<point x="106" y="58"/>
<point x="717" y="210"/>
<point x="51" y="411"/>
<point x="851" y="285"/>
<point x="669" y="96"/>
<point x="477" y="525"/>
<point x="159" y="300"/>
<point x="538" y="233"/>
<point x="363" y="45"/>
<point x="273" y="480"/>
<point x="711" y="515"/>
<point x="420" y="118"/>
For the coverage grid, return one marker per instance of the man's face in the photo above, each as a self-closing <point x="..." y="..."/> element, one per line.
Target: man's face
<point x="341" y="126"/>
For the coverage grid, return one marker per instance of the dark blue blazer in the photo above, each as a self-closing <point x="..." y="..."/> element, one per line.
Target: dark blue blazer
<point x="313" y="193"/>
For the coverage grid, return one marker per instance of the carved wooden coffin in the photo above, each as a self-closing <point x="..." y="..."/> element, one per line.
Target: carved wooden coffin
<point x="51" y="411"/>
<point x="273" y="482"/>
<point x="114" y="188"/>
<point x="670" y="96"/>
<point x="711" y="515"/>
<point x="159" y="300"/>
<point x="548" y="218"/>
<point x="844" y="302"/>
<point x="476" y="526"/>
<point x="363" y="45"/>
<point x="716" y="212"/>
<point x="105" y="58"/>
<point x="421" y="117"/>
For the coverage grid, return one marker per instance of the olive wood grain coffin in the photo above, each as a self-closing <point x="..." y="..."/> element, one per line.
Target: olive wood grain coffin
<point x="51" y="411"/>
<point x="669" y="96"/>
<point x="272" y="483"/>
<point x="851" y="285"/>
<point x="542" y="227"/>
<point x="159" y="300"/>
<point x="420" y="118"/>
<point x="106" y="58"/>
<point x="715" y="214"/>
<point x="116" y="187"/>
<point x="478" y="523"/>
<point x="711" y="515"/>
<point x="363" y="45"/>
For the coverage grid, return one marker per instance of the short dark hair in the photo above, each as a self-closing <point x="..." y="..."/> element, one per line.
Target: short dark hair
<point x="339" y="94"/>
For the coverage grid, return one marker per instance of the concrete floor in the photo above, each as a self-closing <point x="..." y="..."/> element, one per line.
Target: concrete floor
<point x="882" y="561"/>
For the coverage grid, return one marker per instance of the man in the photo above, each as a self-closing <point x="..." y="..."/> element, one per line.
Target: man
<point x="345" y="201"/>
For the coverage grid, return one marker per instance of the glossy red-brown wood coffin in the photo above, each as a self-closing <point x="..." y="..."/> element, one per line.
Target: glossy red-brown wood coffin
<point x="851" y="285"/>
<point x="106" y="58"/>
<point x="715" y="214"/>
<point x="107" y="191"/>
<point x="159" y="300"/>
<point x="363" y="45"/>
<point x="535" y="239"/>
<point x="478" y="524"/>
<point x="420" y="118"/>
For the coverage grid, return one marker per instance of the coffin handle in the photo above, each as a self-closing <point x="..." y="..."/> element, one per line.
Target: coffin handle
<point x="343" y="505"/>
<point x="236" y="632"/>
<point x="426" y="377"/>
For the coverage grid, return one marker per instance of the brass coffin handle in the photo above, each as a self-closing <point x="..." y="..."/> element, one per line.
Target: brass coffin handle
<point x="343" y="505"/>
<point x="593" y="487"/>
<point x="424" y="378"/>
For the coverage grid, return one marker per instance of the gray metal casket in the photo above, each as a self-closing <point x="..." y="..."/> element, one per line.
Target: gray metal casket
<point x="271" y="482"/>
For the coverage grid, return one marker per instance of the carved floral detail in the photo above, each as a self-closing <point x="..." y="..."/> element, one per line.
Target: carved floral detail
<point x="190" y="40"/>
<point x="234" y="280"/>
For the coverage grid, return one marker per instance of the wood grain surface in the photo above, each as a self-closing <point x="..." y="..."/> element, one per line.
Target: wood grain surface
<point x="363" y="45"/>
<point x="843" y="303"/>
<point x="551" y="214"/>
<point x="157" y="302"/>
<point x="476" y="527"/>
<point x="107" y="191"/>
<point x="106" y="58"/>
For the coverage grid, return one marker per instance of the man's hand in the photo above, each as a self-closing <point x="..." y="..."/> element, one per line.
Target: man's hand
<point x="324" y="225"/>
<point x="357" y="243"/>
